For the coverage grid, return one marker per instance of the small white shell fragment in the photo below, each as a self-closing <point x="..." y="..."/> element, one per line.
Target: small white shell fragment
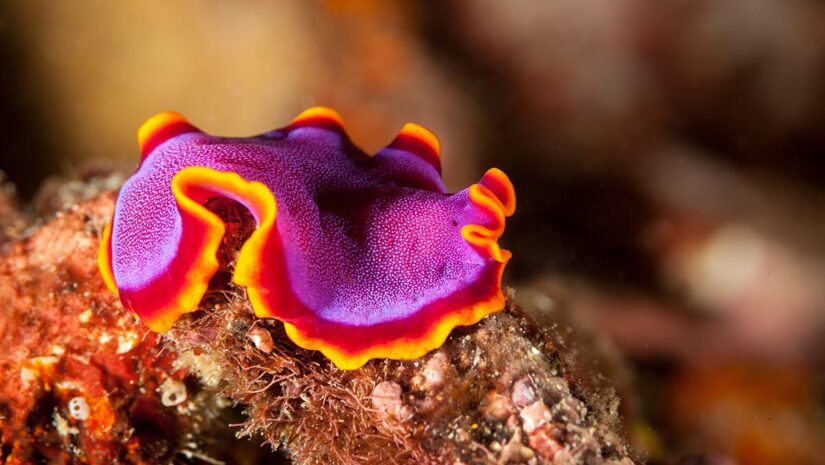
<point x="78" y="408"/>
<point x="534" y="415"/>
<point x="62" y="426"/>
<point x="126" y="342"/>
<point x="434" y="374"/>
<point x="386" y="397"/>
<point x="261" y="338"/>
<point x="172" y="392"/>
<point x="523" y="392"/>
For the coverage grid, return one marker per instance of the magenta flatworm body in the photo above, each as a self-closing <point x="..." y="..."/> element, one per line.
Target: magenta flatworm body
<point x="360" y="256"/>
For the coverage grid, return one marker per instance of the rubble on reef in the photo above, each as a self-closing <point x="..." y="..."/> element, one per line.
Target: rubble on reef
<point x="86" y="382"/>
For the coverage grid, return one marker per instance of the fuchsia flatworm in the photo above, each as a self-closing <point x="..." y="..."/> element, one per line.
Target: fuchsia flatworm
<point x="360" y="256"/>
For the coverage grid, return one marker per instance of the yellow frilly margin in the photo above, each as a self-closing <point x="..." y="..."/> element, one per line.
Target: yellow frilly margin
<point x="413" y="348"/>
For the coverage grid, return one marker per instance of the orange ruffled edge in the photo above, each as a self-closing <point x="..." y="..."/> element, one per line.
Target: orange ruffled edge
<point x="484" y="239"/>
<point x="204" y="230"/>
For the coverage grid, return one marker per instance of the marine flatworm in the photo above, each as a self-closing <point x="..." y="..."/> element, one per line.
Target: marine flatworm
<point x="360" y="256"/>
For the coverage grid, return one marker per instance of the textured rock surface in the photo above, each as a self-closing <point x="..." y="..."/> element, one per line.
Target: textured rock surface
<point x="83" y="380"/>
<point x="87" y="383"/>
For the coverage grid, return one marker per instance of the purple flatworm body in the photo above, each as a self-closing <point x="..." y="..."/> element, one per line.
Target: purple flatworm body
<point x="360" y="256"/>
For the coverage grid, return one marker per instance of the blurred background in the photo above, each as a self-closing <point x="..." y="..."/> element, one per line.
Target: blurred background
<point x="667" y="157"/>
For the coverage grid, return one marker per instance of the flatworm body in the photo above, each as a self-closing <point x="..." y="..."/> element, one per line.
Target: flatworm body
<point x="360" y="256"/>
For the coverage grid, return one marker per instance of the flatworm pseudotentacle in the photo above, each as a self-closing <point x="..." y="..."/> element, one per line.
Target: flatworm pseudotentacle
<point x="360" y="256"/>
